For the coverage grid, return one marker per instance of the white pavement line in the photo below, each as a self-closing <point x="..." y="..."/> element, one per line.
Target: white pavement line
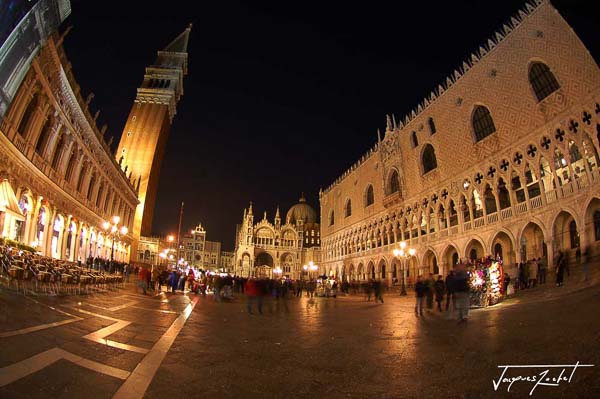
<point x="114" y="308"/>
<point x="100" y="337"/>
<point x="155" y="310"/>
<point x="138" y="382"/>
<point x="40" y="327"/>
<point x="42" y="360"/>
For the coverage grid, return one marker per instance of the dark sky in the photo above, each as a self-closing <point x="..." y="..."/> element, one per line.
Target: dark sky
<point x="281" y="97"/>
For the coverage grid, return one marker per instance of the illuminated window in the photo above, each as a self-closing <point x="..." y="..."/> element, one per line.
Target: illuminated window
<point x="133" y="117"/>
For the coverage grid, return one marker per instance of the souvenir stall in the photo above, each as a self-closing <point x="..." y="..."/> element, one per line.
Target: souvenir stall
<point x="486" y="282"/>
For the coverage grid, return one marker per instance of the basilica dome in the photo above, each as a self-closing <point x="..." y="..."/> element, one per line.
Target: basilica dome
<point x="302" y="211"/>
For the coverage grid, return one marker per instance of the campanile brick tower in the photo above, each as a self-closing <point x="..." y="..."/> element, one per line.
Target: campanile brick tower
<point x="144" y="138"/>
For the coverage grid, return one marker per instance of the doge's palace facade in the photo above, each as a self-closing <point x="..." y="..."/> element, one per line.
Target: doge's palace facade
<point x="64" y="182"/>
<point x="500" y="159"/>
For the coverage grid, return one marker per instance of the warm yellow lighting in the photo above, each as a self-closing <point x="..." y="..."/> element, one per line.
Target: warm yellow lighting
<point x="105" y="225"/>
<point x="113" y="229"/>
<point x="124" y="230"/>
<point x="305" y="267"/>
<point x="396" y="252"/>
<point x="412" y="251"/>
<point x="116" y="219"/>
<point x="171" y="238"/>
<point x="402" y="244"/>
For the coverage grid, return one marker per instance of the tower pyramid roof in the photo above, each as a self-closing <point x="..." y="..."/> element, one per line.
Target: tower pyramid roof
<point x="180" y="43"/>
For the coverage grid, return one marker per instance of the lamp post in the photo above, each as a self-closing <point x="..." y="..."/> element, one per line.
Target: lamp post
<point x="404" y="255"/>
<point x="114" y="233"/>
<point x="310" y="269"/>
<point x="278" y="271"/>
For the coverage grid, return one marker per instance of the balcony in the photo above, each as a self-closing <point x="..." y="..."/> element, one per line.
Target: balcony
<point x="392" y="199"/>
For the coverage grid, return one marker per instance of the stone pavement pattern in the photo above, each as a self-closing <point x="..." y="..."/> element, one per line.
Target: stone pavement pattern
<point x="110" y="345"/>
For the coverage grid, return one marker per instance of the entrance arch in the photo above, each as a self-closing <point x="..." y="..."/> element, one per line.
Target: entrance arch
<point x="474" y="250"/>
<point x="371" y="271"/>
<point x="264" y="259"/>
<point x="565" y="231"/>
<point x="361" y="272"/>
<point x="532" y="243"/>
<point x="382" y="270"/>
<point x="430" y="264"/>
<point x="502" y="245"/>
<point x="450" y="257"/>
<point x="592" y="228"/>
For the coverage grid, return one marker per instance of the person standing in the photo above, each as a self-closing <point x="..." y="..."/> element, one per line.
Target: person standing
<point x="378" y="288"/>
<point x="533" y="277"/>
<point x="450" y="291"/>
<point x="439" y="288"/>
<point x="420" y="292"/>
<point x="154" y="277"/>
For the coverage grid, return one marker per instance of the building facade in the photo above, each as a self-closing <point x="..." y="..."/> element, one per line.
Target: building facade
<point x="192" y="246"/>
<point x="500" y="159"/>
<point x="146" y="131"/>
<point x="226" y="261"/>
<point x="212" y="256"/>
<point x="262" y="248"/>
<point x="59" y="169"/>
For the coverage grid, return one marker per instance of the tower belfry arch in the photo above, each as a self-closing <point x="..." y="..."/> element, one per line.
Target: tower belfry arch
<point x="143" y="142"/>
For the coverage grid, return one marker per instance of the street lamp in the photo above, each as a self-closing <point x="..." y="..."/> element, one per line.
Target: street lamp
<point x="278" y="271"/>
<point x="310" y="268"/>
<point x="114" y="233"/>
<point x="404" y="255"/>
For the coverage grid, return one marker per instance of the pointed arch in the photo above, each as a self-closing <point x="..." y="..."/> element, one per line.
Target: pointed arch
<point x="369" y="196"/>
<point x="428" y="159"/>
<point x="482" y="122"/>
<point x="393" y="182"/>
<point x="542" y="80"/>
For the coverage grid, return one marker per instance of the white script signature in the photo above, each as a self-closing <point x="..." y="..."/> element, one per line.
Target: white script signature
<point x="560" y="373"/>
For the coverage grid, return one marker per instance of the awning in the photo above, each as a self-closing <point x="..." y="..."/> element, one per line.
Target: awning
<point x="8" y="201"/>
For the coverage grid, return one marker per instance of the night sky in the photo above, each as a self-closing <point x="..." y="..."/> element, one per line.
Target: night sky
<point x="281" y="97"/>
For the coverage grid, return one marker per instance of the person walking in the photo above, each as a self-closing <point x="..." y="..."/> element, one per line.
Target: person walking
<point x="420" y="293"/>
<point x="439" y="288"/>
<point x="142" y="278"/>
<point x="378" y="288"/>
<point x="154" y="278"/>
<point x="429" y="292"/>
<point x="450" y="291"/>
<point x="560" y="269"/>
<point x="462" y="292"/>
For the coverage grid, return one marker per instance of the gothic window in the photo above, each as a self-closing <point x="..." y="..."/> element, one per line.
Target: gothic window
<point x="428" y="159"/>
<point x="414" y="140"/>
<point x="369" y="196"/>
<point x="542" y="80"/>
<point x="82" y="174"/>
<point x="91" y="187"/>
<point x="483" y="124"/>
<point x="70" y="166"/>
<point x="106" y="201"/>
<point x="42" y="140"/>
<point x="57" y="152"/>
<point x="431" y="124"/>
<point x="28" y="115"/>
<point x="99" y="196"/>
<point x="597" y="225"/>
<point x="394" y="182"/>
<point x="348" y="208"/>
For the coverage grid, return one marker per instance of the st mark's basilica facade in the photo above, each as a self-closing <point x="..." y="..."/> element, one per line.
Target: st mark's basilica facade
<point x="500" y="159"/>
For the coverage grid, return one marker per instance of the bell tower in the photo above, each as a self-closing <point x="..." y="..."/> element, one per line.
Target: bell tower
<point x="144" y="138"/>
